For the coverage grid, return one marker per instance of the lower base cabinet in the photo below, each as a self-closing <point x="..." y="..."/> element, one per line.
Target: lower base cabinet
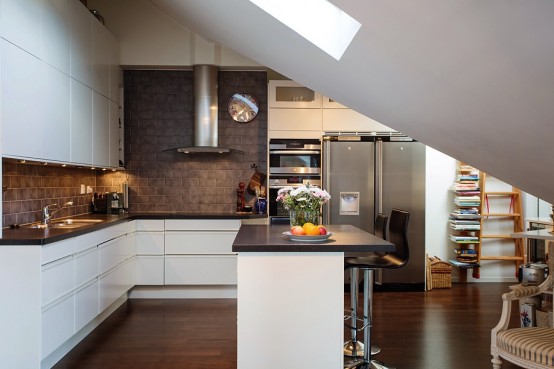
<point x="150" y="270"/>
<point x="200" y="269"/>
<point x="115" y="283"/>
<point x="57" y="324"/>
<point x="86" y="304"/>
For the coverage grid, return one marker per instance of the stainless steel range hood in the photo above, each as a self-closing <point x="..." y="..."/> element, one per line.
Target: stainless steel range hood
<point x="205" y="113"/>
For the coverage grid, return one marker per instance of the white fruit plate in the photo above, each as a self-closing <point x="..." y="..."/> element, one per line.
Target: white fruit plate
<point x="299" y="238"/>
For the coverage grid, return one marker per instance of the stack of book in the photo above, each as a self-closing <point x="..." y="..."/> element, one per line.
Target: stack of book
<point x="466" y="255"/>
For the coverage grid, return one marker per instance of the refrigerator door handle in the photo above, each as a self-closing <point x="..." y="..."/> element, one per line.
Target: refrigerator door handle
<point x="378" y="176"/>
<point x="326" y="180"/>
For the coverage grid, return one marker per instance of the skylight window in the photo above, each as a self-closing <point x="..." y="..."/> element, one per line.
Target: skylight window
<point x="318" y="21"/>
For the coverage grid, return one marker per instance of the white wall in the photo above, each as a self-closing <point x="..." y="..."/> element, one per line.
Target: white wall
<point x="171" y="45"/>
<point x="440" y="173"/>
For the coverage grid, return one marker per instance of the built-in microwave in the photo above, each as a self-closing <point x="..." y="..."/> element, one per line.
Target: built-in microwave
<point x="294" y="156"/>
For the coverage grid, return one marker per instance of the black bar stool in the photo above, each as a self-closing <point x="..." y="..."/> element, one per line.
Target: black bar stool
<point x="398" y="235"/>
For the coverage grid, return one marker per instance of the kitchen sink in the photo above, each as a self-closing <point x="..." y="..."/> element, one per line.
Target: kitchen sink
<point x="67" y="223"/>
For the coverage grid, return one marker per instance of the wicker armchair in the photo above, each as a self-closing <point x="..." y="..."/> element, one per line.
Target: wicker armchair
<point x="531" y="347"/>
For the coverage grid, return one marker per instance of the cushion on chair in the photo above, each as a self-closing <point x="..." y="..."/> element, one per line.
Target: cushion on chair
<point x="533" y="344"/>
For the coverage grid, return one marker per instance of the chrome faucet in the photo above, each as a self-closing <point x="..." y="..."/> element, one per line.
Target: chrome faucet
<point x="48" y="212"/>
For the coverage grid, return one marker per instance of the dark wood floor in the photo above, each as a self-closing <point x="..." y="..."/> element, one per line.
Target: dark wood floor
<point x="442" y="329"/>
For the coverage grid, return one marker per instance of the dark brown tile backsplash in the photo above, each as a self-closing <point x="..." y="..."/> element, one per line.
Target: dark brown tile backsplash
<point x="31" y="187"/>
<point x="158" y="116"/>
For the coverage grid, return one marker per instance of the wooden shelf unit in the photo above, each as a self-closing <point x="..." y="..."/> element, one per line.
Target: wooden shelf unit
<point x="514" y="213"/>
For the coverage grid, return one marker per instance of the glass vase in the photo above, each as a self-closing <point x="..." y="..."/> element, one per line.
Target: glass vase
<point x="300" y="217"/>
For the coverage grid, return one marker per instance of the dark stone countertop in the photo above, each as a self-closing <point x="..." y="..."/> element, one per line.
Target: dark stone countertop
<point x="32" y="236"/>
<point x="345" y="238"/>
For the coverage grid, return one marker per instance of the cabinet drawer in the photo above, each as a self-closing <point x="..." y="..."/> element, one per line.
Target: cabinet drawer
<point x="115" y="283"/>
<point x="58" y="278"/>
<point x="57" y="250"/>
<point x="88" y="240"/>
<point x="150" y="270"/>
<point x="86" y="305"/>
<point x="57" y="325"/>
<point x="114" y="252"/>
<point x="202" y="224"/>
<point x="149" y="225"/>
<point x="201" y="270"/>
<point x="149" y="243"/>
<point x="177" y="243"/>
<point x="86" y="266"/>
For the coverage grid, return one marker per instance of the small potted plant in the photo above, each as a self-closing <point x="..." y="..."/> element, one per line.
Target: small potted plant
<point x="303" y="203"/>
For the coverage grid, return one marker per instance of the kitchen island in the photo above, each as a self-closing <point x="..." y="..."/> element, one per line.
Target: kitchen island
<point x="291" y="296"/>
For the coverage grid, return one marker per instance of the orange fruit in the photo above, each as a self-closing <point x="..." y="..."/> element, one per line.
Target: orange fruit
<point x="313" y="231"/>
<point x="307" y="225"/>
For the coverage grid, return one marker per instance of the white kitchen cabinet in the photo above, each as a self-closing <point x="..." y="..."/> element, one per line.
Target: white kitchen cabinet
<point x="348" y="120"/>
<point x="21" y="24"/>
<point x="55" y="118"/>
<point x="86" y="304"/>
<point x="116" y="73"/>
<point x="200" y="270"/>
<point x="289" y="94"/>
<point x="58" y="324"/>
<point x="115" y="283"/>
<point x="101" y="58"/>
<point x="22" y="130"/>
<point x="86" y="266"/>
<point x="100" y="130"/>
<point x="150" y="249"/>
<point x="81" y="123"/>
<point x="295" y="120"/>
<point x="80" y="50"/>
<point x="56" y="26"/>
<point x="114" y="133"/>
<point x="199" y="252"/>
<point x="58" y="279"/>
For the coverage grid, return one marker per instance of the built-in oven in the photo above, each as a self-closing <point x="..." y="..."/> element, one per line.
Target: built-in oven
<point x="292" y="163"/>
<point x="293" y="157"/>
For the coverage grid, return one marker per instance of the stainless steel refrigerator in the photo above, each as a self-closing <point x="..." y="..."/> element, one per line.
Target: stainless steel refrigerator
<point x="366" y="175"/>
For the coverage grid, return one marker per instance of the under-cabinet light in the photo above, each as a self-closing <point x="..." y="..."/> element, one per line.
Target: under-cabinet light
<point x="318" y="21"/>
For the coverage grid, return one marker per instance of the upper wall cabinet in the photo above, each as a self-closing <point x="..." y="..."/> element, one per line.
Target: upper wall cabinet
<point x="56" y="26"/>
<point x="289" y="94"/>
<point x="21" y="23"/>
<point x="101" y="56"/>
<point x="55" y="54"/>
<point x="81" y="44"/>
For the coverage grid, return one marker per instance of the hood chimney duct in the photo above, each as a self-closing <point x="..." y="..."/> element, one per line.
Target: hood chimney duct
<point x="205" y="105"/>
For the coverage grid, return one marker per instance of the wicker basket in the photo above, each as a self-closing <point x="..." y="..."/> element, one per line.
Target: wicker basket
<point x="440" y="273"/>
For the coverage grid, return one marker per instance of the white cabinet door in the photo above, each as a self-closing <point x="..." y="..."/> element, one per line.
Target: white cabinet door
<point x="201" y="270"/>
<point x="115" y="283"/>
<point x="81" y="43"/>
<point x="21" y="24"/>
<point x="114" y="141"/>
<point x="294" y="120"/>
<point x="55" y="115"/>
<point x="57" y="279"/>
<point x="58" y="324"/>
<point x="86" y="266"/>
<point x="149" y="243"/>
<point x="150" y="270"/>
<point x="86" y="304"/>
<point x="289" y="94"/>
<point x="100" y="130"/>
<point x="150" y="225"/>
<point x="116" y="73"/>
<point x="101" y="48"/>
<point x="81" y="123"/>
<point x="21" y="115"/>
<point x="56" y="23"/>
<point x="220" y="242"/>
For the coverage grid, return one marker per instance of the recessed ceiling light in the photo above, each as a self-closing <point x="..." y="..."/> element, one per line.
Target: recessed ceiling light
<point x="318" y="21"/>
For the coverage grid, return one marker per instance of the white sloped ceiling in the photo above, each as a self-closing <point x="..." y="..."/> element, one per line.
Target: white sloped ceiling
<point x="471" y="78"/>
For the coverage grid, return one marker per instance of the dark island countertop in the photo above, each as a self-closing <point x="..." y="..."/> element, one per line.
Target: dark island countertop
<point x="24" y="235"/>
<point x="345" y="238"/>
